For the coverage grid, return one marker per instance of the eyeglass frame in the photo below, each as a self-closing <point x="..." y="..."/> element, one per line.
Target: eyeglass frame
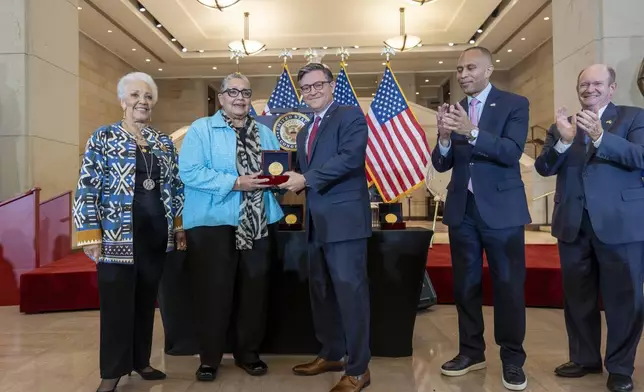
<point x="311" y="87"/>
<point x="237" y="92"/>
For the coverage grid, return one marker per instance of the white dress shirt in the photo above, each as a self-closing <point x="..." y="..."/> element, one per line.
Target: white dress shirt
<point x="482" y="97"/>
<point x="561" y="147"/>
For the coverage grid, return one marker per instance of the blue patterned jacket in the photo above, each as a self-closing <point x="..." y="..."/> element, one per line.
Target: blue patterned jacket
<point x="103" y="201"/>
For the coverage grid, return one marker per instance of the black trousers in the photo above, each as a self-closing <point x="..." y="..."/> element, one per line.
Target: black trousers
<point x="505" y="251"/>
<point x="127" y="305"/>
<point x="230" y="292"/>
<point x="339" y="289"/>
<point x="590" y="268"/>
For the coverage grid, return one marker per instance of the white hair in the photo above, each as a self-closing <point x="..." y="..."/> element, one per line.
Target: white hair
<point x="227" y="79"/>
<point x="136" y="77"/>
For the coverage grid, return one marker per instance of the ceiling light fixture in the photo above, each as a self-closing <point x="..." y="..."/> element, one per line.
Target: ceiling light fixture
<point x="218" y="4"/>
<point x="214" y="67"/>
<point x="159" y="25"/>
<point x="546" y="18"/>
<point x="325" y="47"/>
<point x="173" y="40"/>
<point x="201" y="50"/>
<point x="440" y="62"/>
<point x="498" y="61"/>
<point x="142" y="9"/>
<point x="79" y="8"/>
<point x="420" y="2"/>
<point x="133" y="49"/>
<point x="245" y="45"/>
<point x="109" y="31"/>
<point x="451" y="44"/>
<point x="160" y="69"/>
<point x="147" y="60"/>
<point x="523" y="39"/>
<point x="426" y="80"/>
<point x="509" y="50"/>
<point x="472" y="41"/>
<point x="357" y="47"/>
<point x="403" y="42"/>
<point x="479" y="31"/>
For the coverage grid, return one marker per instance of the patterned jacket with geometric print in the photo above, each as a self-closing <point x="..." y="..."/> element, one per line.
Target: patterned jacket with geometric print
<point x="103" y="201"/>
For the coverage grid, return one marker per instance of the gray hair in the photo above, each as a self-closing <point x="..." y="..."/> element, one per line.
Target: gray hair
<point x="136" y="77"/>
<point x="227" y="79"/>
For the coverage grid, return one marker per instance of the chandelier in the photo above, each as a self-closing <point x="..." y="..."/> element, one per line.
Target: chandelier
<point x="218" y="4"/>
<point x="245" y="45"/>
<point x="404" y="41"/>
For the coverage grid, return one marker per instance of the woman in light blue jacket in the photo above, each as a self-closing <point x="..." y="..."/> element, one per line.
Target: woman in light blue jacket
<point x="229" y="217"/>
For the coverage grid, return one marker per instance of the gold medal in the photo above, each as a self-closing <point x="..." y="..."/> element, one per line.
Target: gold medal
<point x="275" y="168"/>
<point x="290" y="219"/>
<point x="391" y="218"/>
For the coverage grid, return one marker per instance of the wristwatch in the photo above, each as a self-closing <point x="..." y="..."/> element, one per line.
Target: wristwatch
<point x="474" y="133"/>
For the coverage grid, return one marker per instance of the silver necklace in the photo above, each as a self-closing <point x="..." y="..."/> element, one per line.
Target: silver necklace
<point x="148" y="183"/>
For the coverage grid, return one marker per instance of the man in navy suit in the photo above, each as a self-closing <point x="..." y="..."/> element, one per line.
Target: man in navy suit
<point x="598" y="157"/>
<point x="331" y="157"/>
<point x="481" y="139"/>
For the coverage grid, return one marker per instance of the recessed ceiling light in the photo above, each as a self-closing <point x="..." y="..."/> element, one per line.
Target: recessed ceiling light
<point x="270" y="66"/>
<point x="546" y="18"/>
<point x="294" y="48"/>
<point x="79" y="8"/>
<point x="357" y="47"/>
<point x="147" y="60"/>
<point x="173" y="40"/>
<point x="109" y="31"/>
<point x="133" y="49"/>
<point x="417" y="93"/>
<point x="201" y="50"/>
<point x="472" y="41"/>
<point x="184" y="50"/>
<point x="325" y="47"/>
<point x="214" y="67"/>
<point x="420" y="45"/>
<point x="498" y="61"/>
<point x="426" y="80"/>
<point x="509" y="50"/>
<point x="440" y="62"/>
<point x="160" y="69"/>
<point x="479" y="31"/>
<point x="142" y="9"/>
<point x="373" y="94"/>
<point x="451" y="44"/>
<point x="384" y="63"/>
<point x="523" y="39"/>
<point x="159" y="25"/>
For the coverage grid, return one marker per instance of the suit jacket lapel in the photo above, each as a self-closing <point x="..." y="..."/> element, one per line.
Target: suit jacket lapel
<point x="488" y="108"/>
<point x="607" y="120"/>
<point x="301" y="147"/>
<point x="322" y="126"/>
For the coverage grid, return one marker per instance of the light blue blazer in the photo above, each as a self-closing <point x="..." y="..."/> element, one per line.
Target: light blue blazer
<point x="207" y="167"/>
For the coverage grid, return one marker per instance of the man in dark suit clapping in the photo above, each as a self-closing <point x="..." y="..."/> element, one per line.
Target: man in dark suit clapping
<point x="481" y="139"/>
<point x="598" y="157"/>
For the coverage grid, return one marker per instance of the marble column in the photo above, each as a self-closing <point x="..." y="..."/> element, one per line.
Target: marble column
<point x="39" y="112"/>
<point x="597" y="31"/>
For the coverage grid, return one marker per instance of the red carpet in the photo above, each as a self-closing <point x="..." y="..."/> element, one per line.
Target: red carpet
<point x="66" y="284"/>
<point x="70" y="283"/>
<point x="543" y="287"/>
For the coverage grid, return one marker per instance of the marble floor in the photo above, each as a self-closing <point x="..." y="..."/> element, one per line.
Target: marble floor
<point x="58" y="352"/>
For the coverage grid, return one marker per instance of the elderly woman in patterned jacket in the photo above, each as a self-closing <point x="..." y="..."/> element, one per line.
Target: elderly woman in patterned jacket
<point x="229" y="219"/>
<point x="128" y="213"/>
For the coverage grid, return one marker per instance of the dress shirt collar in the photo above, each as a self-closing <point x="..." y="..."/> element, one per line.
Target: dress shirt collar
<point x="482" y="97"/>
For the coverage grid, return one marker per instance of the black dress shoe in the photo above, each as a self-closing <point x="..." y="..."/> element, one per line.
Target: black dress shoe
<point x="150" y="375"/>
<point x="461" y="365"/>
<point x="257" y="368"/>
<point x="572" y="370"/>
<point x="619" y="383"/>
<point x="206" y="373"/>
<point x="514" y="378"/>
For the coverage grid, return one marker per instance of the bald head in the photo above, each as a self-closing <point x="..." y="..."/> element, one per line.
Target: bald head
<point x="596" y="86"/>
<point x="474" y="70"/>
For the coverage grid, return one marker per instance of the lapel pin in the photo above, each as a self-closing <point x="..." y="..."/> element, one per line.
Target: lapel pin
<point x="493" y="104"/>
<point x="609" y="122"/>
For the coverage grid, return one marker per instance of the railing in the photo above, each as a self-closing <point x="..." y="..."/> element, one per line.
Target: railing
<point x="545" y="196"/>
<point x="534" y="141"/>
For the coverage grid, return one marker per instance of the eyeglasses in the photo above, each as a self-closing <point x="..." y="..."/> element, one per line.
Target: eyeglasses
<point x="317" y="86"/>
<point x="234" y="93"/>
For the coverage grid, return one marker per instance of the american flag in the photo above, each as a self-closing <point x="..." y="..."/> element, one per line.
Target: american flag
<point x="397" y="151"/>
<point x="346" y="96"/>
<point x="252" y="113"/>
<point x="284" y="95"/>
<point x="343" y="93"/>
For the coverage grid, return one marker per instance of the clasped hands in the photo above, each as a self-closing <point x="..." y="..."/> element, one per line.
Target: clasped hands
<point x="295" y="183"/>
<point x="452" y="118"/>
<point x="587" y="120"/>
